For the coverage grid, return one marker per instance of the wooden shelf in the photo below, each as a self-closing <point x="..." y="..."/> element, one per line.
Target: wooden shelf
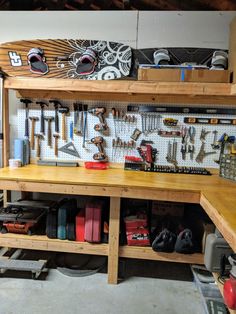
<point x="141" y="252"/>
<point x="36" y="242"/>
<point x="126" y="90"/>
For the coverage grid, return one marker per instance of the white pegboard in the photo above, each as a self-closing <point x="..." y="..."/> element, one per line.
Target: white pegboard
<point x="125" y="130"/>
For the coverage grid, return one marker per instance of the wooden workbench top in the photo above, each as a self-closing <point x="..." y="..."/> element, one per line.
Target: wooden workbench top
<point x="216" y="195"/>
<point x="115" y="178"/>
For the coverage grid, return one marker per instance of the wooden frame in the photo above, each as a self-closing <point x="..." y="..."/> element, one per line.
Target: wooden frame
<point x="186" y="188"/>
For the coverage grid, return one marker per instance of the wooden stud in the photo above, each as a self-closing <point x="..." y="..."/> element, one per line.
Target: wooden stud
<point x="114" y="230"/>
<point x="6" y="128"/>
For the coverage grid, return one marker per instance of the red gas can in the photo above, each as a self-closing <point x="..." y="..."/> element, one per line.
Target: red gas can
<point x="230" y="292"/>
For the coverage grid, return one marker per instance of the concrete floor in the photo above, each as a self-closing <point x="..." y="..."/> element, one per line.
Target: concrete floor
<point x="92" y="295"/>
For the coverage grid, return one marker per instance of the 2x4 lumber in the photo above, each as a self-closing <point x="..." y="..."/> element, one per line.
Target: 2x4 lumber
<point x="37" y="242"/>
<point x="148" y="254"/>
<point x="114" y="230"/>
<point x="190" y="100"/>
<point x="121" y="86"/>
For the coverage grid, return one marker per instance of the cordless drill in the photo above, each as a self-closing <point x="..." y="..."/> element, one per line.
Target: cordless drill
<point x="98" y="141"/>
<point x="99" y="112"/>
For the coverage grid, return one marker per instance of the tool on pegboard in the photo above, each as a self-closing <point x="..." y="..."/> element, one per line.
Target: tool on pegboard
<point x="69" y="149"/>
<point x="56" y="137"/>
<point x="49" y="130"/>
<point x="147" y="153"/>
<point x="85" y="117"/>
<point x="32" y="133"/>
<point x="171" y="156"/>
<point x="202" y="153"/>
<point x="98" y="141"/>
<point x="42" y="118"/>
<point x="56" y="105"/>
<point x="39" y="137"/>
<point x="99" y="112"/>
<point x="64" y="110"/>
<point x="78" y="118"/>
<point x="26" y="102"/>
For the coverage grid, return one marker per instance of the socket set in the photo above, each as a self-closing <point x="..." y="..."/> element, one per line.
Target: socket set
<point x="181" y="170"/>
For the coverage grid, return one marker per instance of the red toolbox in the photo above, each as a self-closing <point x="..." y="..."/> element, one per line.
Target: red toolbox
<point x="93" y="221"/>
<point x="137" y="232"/>
<point x="80" y="226"/>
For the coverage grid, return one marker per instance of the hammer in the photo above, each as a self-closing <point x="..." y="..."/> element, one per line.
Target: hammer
<point x="42" y="105"/>
<point x="38" y="138"/>
<point x="26" y="102"/>
<point x="56" y="136"/>
<point x="63" y="110"/>
<point x="33" y="120"/>
<point x="49" y="133"/>
<point x="56" y="104"/>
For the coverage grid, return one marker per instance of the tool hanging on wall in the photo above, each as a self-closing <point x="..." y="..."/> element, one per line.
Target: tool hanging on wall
<point x="26" y="102"/>
<point x="49" y="131"/>
<point x="42" y="118"/>
<point x="99" y="112"/>
<point x="78" y="118"/>
<point x="85" y="117"/>
<point x="56" y="105"/>
<point x="33" y="121"/>
<point x="202" y="153"/>
<point x="150" y="122"/>
<point x="69" y="149"/>
<point x="215" y="144"/>
<point x="64" y="111"/>
<point x="56" y="137"/>
<point x="193" y="120"/>
<point x="148" y="154"/>
<point x="39" y="137"/>
<point x="171" y="156"/>
<point x="99" y="141"/>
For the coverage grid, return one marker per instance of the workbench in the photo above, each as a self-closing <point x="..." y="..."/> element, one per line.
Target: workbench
<point x="216" y="195"/>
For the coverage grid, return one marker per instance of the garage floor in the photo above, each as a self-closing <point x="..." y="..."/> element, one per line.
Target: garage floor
<point x="149" y="287"/>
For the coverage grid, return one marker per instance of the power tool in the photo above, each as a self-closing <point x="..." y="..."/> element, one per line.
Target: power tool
<point x="98" y="141"/>
<point x="99" y="112"/>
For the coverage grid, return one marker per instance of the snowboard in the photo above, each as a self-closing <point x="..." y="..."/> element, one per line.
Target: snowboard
<point x="66" y="58"/>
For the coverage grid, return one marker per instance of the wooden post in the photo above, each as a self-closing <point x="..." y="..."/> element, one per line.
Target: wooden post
<point x="6" y="128"/>
<point x="113" y="246"/>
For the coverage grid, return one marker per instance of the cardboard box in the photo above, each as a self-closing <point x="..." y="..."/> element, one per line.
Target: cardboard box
<point x="232" y="50"/>
<point x="181" y="75"/>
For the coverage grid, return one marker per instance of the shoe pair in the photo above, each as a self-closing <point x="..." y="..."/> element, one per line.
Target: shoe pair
<point x="85" y="66"/>
<point x="167" y="241"/>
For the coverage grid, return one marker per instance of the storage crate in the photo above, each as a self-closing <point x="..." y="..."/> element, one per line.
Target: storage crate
<point x="228" y="166"/>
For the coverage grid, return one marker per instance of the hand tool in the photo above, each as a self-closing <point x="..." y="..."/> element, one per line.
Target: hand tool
<point x="184" y="133"/>
<point x="183" y="151"/>
<point x="181" y="109"/>
<point x="26" y="102"/>
<point x="49" y="131"/>
<point x="42" y="125"/>
<point x="191" y="133"/>
<point x="85" y="115"/>
<point x="174" y="153"/>
<point x="202" y="153"/>
<point x="113" y="112"/>
<point x="63" y="110"/>
<point x="71" y="130"/>
<point x="56" y="104"/>
<point x="69" y="149"/>
<point x="39" y="137"/>
<point x="56" y="137"/>
<point x="33" y="121"/>
<point x="215" y="144"/>
<point x="78" y="119"/>
<point x="122" y="117"/>
<point x="191" y="150"/>
<point x="117" y="120"/>
<point x="204" y="134"/>
<point x="98" y="141"/>
<point x="135" y="135"/>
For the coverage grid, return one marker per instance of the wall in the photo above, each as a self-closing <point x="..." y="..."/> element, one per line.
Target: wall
<point x="138" y="29"/>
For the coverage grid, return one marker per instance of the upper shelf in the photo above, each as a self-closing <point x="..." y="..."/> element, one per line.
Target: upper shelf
<point x="126" y="89"/>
